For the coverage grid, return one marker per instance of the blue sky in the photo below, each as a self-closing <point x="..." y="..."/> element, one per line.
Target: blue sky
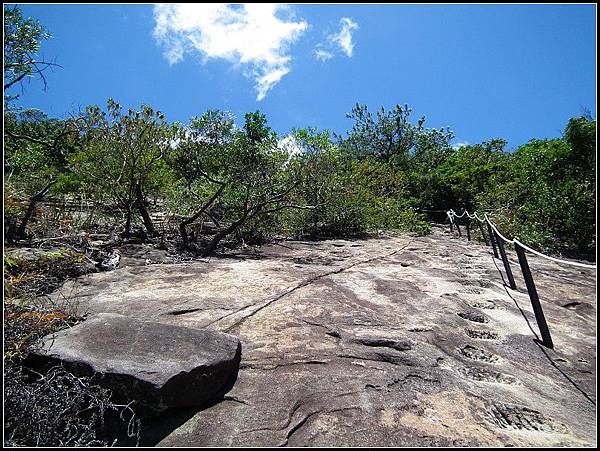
<point x="487" y="71"/>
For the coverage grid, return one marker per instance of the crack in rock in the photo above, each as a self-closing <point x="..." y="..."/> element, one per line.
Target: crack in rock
<point x="249" y="365"/>
<point x="331" y="331"/>
<point x="234" y="399"/>
<point x="310" y="281"/>
<point x="413" y="378"/>
<point x="398" y="345"/>
<point x="306" y="417"/>
<point x="183" y="312"/>
<point x="383" y="358"/>
<point x="291" y="413"/>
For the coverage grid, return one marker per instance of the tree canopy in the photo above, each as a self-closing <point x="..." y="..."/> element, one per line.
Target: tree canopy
<point x="246" y="183"/>
<point x="22" y="43"/>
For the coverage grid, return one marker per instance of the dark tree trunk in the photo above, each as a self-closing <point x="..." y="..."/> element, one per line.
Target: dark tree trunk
<point x="212" y="246"/>
<point x="183" y="225"/>
<point x="183" y="233"/>
<point x="128" y="222"/>
<point x="37" y="197"/>
<point x="249" y="213"/>
<point x="11" y="231"/>
<point x="141" y="204"/>
<point x="147" y="220"/>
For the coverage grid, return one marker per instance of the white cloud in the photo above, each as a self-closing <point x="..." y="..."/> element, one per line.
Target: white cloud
<point x="344" y="37"/>
<point x="250" y="34"/>
<point x="337" y="42"/>
<point x="458" y="145"/>
<point x="322" y="55"/>
<point x="289" y="145"/>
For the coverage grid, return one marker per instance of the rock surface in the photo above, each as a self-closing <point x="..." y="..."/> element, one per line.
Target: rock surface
<point x="159" y="365"/>
<point x="390" y="342"/>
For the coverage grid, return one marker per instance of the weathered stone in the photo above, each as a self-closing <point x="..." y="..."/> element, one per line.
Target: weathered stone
<point x="362" y="350"/>
<point x="159" y="365"/>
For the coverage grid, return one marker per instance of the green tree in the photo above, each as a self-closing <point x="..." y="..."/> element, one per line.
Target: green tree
<point x="320" y="161"/>
<point x="547" y="198"/>
<point x="33" y="144"/>
<point x="36" y="149"/>
<point x="469" y="171"/>
<point x="203" y="163"/>
<point x="239" y="177"/>
<point x="22" y="42"/>
<point x="580" y="133"/>
<point x="122" y="158"/>
<point x="352" y="196"/>
<point x="390" y="136"/>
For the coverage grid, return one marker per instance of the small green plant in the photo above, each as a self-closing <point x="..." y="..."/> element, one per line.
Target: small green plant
<point x="411" y="221"/>
<point x="37" y="272"/>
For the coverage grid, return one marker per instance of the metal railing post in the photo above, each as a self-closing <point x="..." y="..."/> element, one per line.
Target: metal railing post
<point x="533" y="296"/>
<point x="511" y="279"/>
<point x="492" y="240"/>
<point x="468" y="226"/>
<point x="483" y="234"/>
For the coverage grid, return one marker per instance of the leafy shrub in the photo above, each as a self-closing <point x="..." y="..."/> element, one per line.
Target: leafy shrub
<point x="547" y="197"/>
<point x="412" y="221"/>
<point x="33" y="272"/>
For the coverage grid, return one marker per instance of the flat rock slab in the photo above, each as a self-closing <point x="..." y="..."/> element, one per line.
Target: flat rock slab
<point x="160" y="366"/>
<point x="395" y="341"/>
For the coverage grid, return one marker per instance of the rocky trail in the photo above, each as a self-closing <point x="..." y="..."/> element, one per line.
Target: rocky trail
<point x="412" y="341"/>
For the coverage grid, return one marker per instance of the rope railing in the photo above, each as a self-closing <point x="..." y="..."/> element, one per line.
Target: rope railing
<point x="557" y="260"/>
<point x="452" y="213"/>
<point x="497" y="241"/>
<point x="495" y="229"/>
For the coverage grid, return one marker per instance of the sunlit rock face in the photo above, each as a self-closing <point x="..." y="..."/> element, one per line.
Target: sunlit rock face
<point x="389" y="341"/>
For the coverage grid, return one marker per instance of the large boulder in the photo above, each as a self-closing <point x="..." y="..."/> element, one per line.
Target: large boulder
<point x="160" y="366"/>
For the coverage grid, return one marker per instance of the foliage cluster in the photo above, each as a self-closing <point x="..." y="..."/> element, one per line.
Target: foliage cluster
<point x="244" y="183"/>
<point x="220" y="181"/>
<point x="32" y="273"/>
<point x="544" y="192"/>
<point x="22" y="40"/>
